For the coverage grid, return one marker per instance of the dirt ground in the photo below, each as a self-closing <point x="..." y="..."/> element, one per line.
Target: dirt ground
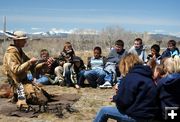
<point x="89" y="103"/>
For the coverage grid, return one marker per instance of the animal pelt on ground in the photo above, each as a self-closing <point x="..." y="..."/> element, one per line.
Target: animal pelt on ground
<point x="5" y="91"/>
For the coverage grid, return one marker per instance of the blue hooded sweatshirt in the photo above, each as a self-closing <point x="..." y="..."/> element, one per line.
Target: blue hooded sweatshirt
<point x="169" y="91"/>
<point x="137" y="94"/>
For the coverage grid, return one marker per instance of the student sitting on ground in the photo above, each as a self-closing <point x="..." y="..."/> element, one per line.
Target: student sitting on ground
<point x="44" y="71"/>
<point x="153" y="58"/>
<point x="171" y="50"/>
<point x="111" y="67"/>
<point x="65" y="61"/>
<point x="95" y="73"/>
<point x="169" y="87"/>
<point x="139" y="49"/>
<point x="159" y="72"/>
<point x="76" y="71"/>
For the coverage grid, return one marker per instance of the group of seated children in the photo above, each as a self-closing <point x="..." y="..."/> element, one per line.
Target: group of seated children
<point x="70" y="70"/>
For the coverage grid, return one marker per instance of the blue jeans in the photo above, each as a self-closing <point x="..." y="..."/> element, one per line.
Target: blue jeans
<point x="29" y="77"/>
<point x="113" y="113"/>
<point x="109" y="77"/>
<point x="110" y="69"/>
<point x="95" y="76"/>
<point x="43" y="80"/>
<point x="81" y="78"/>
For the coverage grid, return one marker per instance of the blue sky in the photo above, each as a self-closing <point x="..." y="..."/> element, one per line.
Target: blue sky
<point x="160" y="16"/>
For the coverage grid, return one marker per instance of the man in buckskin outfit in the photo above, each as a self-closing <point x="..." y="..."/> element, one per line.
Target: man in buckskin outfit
<point x="17" y="64"/>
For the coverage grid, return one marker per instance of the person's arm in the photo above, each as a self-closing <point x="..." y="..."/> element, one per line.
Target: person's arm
<point x="111" y="54"/>
<point x="33" y="62"/>
<point x="15" y="65"/>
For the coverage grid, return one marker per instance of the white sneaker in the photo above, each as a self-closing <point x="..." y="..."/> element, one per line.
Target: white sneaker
<point x="107" y="84"/>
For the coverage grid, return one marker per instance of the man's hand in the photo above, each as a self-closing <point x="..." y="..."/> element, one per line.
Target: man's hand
<point x="33" y="60"/>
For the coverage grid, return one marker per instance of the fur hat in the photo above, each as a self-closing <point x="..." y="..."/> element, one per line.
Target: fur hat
<point x="17" y="35"/>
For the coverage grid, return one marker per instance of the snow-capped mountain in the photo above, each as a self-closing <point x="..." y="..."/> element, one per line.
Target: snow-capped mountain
<point x="39" y="33"/>
<point x="61" y="32"/>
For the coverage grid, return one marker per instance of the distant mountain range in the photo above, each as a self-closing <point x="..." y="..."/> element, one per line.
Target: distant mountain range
<point x="162" y="36"/>
<point x="48" y="34"/>
<point x="55" y="32"/>
<point x="89" y="32"/>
